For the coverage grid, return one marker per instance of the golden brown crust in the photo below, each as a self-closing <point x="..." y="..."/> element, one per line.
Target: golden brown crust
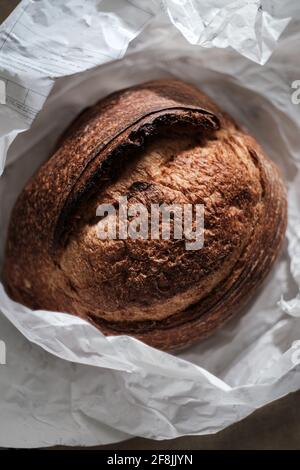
<point x="162" y="141"/>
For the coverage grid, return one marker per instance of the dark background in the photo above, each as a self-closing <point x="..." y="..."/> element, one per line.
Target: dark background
<point x="276" y="426"/>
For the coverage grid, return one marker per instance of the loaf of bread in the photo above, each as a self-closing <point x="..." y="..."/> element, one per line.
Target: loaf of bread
<point x="161" y="142"/>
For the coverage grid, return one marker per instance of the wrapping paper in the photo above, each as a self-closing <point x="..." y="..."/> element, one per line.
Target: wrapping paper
<point x="64" y="382"/>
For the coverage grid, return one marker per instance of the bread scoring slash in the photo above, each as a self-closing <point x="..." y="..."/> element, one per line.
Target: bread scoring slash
<point x="161" y="142"/>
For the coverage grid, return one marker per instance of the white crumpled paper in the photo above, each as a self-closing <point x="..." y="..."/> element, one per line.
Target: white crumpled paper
<point x="109" y="389"/>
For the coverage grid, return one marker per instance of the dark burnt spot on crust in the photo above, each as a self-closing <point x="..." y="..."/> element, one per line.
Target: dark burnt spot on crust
<point x="256" y="160"/>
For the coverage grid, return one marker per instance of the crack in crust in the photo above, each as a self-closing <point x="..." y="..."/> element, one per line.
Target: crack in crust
<point x="159" y="142"/>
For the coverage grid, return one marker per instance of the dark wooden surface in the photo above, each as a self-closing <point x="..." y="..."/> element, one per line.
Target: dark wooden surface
<point x="276" y="426"/>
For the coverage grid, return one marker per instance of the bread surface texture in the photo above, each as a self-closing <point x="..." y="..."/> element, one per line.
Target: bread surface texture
<point x="161" y="142"/>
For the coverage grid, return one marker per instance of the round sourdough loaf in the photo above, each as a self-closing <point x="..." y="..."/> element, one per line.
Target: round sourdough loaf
<point x="161" y="142"/>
